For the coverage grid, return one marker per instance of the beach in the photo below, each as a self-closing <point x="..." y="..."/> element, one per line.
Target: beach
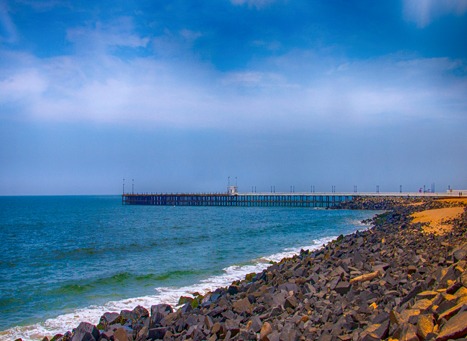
<point x="396" y="280"/>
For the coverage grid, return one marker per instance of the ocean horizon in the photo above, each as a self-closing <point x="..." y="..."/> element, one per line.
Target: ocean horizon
<point x="67" y="259"/>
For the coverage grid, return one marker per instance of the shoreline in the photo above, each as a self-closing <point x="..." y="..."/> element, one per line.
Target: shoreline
<point x="308" y="295"/>
<point x="170" y="294"/>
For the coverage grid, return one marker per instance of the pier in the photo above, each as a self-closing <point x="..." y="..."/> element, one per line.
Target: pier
<point x="232" y="198"/>
<point x="242" y="200"/>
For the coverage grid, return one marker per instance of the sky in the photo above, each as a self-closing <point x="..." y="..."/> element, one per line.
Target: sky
<point x="177" y="96"/>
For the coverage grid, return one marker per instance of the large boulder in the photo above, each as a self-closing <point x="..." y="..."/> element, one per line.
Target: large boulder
<point x="85" y="332"/>
<point x="158" y="312"/>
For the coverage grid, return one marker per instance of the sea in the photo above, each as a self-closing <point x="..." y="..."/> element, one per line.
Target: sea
<point x="67" y="259"/>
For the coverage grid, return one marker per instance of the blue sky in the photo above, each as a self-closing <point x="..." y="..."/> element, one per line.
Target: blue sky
<point x="179" y="95"/>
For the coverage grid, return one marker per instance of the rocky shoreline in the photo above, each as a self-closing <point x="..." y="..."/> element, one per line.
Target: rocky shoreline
<point x="388" y="282"/>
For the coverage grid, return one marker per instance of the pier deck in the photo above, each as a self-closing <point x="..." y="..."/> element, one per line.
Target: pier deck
<point x="324" y="200"/>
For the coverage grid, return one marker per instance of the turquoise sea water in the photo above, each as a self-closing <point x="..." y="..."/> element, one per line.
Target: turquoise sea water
<point x="71" y="258"/>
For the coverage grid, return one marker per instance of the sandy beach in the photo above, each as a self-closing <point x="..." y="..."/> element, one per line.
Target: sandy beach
<point x="437" y="221"/>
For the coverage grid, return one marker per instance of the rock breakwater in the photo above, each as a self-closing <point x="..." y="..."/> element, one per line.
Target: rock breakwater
<point x="388" y="282"/>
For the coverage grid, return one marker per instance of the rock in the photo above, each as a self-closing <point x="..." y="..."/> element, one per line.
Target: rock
<point x="125" y="315"/>
<point x="107" y="319"/>
<point x="365" y="277"/>
<point x="342" y="288"/>
<point x="85" y="332"/>
<point x="184" y="300"/>
<point x="208" y="322"/>
<point x="414" y="292"/>
<point x="255" y="324"/>
<point x="157" y="333"/>
<point x="422" y="304"/>
<point x="140" y="313"/>
<point x="274" y="336"/>
<point x="427" y="294"/>
<point x="290" y="302"/>
<point x="406" y="332"/>
<point x="233" y="289"/>
<point x="216" y="328"/>
<point x="121" y="335"/>
<point x="186" y="308"/>
<point x="232" y="326"/>
<point x="142" y="334"/>
<point x="158" y="312"/>
<point x="266" y="329"/>
<point x="460" y="253"/>
<point x="411" y="269"/>
<point x="455" y="328"/>
<point x="288" y="333"/>
<point x="242" y="306"/>
<point x="452" y="311"/>
<point x="108" y="335"/>
<point x="425" y="326"/>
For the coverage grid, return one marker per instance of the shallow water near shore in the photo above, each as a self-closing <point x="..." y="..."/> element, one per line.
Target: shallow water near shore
<point x="70" y="259"/>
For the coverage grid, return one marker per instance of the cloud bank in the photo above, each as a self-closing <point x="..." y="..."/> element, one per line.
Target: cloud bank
<point x="181" y="95"/>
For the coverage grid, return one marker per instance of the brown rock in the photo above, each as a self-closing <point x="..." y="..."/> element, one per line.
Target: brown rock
<point x="425" y="326"/>
<point x="450" y="312"/>
<point x="290" y="302"/>
<point x="288" y="333"/>
<point x="242" y="306"/>
<point x="462" y="292"/>
<point x="208" y="323"/>
<point x="216" y="327"/>
<point x="427" y="295"/>
<point x="365" y="277"/>
<point x="408" y="314"/>
<point x="121" y="335"/>
<point x="460" y="253"/>
<point x="266" y="329"/>
<point x="411" y="269"/>
<point x="464" y="278"/>
<point x="255" y="324"/>
<point x="423" y="304"/>
<point x="377" y="331"/>
<point x="455" y="328"/>
<point x="406" y="332"/>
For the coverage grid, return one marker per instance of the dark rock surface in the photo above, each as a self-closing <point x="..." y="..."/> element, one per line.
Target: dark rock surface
<point x="388" y="282"/>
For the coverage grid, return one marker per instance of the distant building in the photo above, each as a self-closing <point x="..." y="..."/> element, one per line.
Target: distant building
<point x="233" y="190"/>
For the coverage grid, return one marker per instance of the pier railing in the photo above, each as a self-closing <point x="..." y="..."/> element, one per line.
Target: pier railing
<point x="259" y="199"/>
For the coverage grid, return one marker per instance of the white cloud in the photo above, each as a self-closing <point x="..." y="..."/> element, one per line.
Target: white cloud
<point x="23" y="85"/>
<point x="8" y="31"/>
<point x="189" y="35"/>
<point x="423" y="12"/>
<point x="255" y="79"/>
<point x="101" y="36"/>
<point x="297" y="91"/>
